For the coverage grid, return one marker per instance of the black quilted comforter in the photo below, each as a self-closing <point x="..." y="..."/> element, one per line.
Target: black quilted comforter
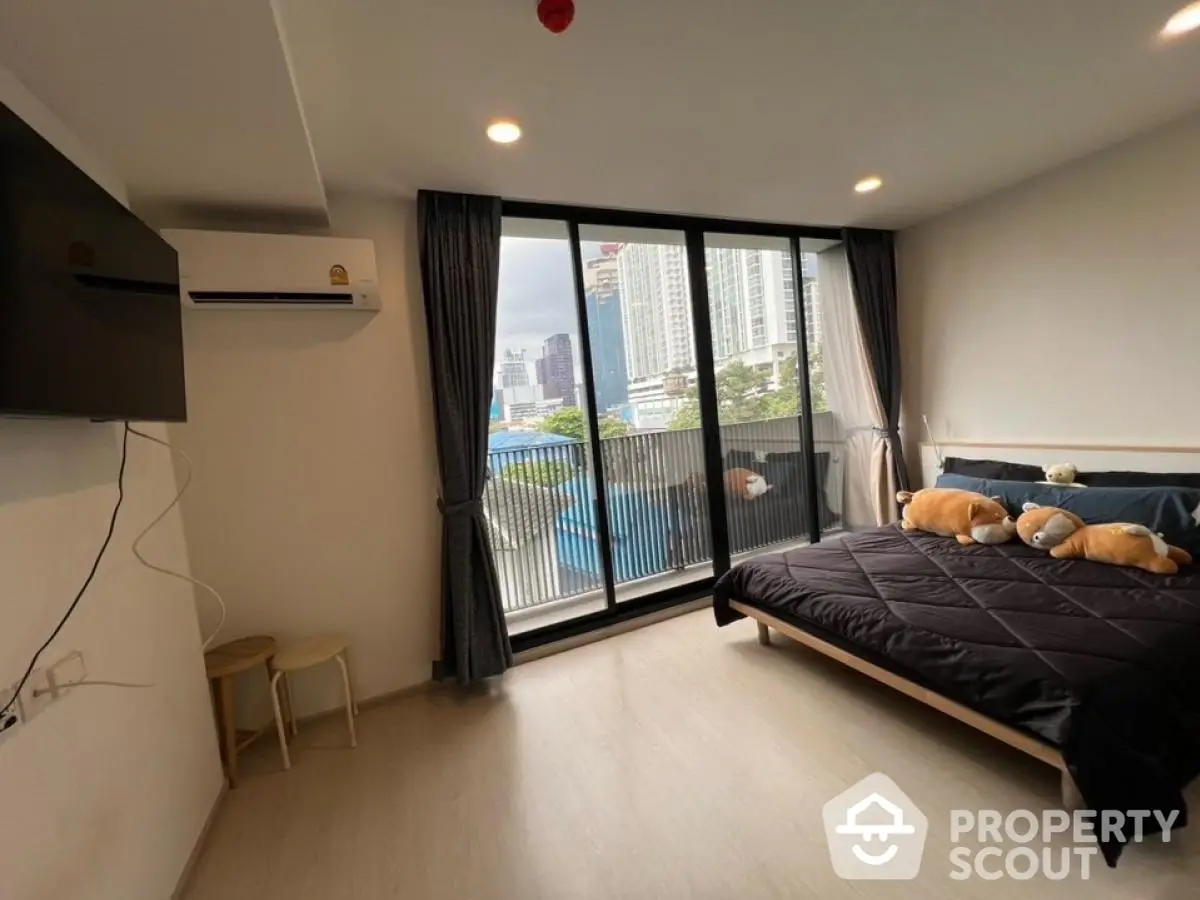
<point x="1100" y="661"/>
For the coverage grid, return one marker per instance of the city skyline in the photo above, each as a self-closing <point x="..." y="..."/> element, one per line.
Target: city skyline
<point x="556" y="369"/>
<point x="513" y="369"/>
<point x="638" y="304"/>
<point x="537" y="296"/>
<point x="655" y="309"/>
<point x="606" y="331"/>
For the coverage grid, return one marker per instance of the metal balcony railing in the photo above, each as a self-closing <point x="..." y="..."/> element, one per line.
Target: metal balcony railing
<point x="540" y="505"/>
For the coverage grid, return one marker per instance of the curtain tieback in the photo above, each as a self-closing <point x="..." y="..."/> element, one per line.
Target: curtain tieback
<point x="465" y="507"/>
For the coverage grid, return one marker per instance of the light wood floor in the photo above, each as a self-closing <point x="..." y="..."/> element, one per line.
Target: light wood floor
<point x="679" y="761"/>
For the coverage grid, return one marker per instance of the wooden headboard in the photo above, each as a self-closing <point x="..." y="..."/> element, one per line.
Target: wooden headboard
<point x="1085" y="457"/>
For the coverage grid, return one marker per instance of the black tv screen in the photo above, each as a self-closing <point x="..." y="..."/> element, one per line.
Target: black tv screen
<point x="90" y="318"/>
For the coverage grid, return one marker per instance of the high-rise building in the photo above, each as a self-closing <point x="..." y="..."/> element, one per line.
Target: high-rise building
<point x="513" y="371"/>
<point x="751" y="299"/>
<point x="812" y="306"/>
<point x="753" y="295"/>
<point x="606" y="334"/>
<point x="812" y="301"/>
<point x="656" y="314"/>
<point x="727" y="301"/>
<point x="789" y="299"/>
<point x="521" y="402"/>
<point x="812" y="314"/>
<point x="556" y="369"/>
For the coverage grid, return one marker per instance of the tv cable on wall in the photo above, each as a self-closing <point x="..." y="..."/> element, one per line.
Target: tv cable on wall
<point x="136" y="549"/>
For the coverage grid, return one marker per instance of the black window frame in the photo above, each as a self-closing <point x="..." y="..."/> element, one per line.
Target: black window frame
<point x="693" y="229"/>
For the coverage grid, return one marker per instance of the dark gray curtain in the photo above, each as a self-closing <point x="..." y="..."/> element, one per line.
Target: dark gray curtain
<point x="459" y="238"/>
<point x="872" y="258"/>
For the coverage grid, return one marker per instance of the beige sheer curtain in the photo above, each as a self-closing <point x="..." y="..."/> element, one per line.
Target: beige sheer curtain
<point x="867" y="472"/>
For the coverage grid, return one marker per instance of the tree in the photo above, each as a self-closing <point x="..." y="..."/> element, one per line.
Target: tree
<point x="816" y="379"/>
<point x="570" y="422"/>
<point x="786" y="401"/>
<point x="687" y="416"/>
<point x="544" y="472"/>
<point x="611" y="427"/>
<point x="743" y="395"/>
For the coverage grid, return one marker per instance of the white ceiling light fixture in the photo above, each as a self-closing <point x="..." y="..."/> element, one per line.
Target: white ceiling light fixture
<point x="1184" y="21"/>
<point x="504" y="131"/>
<point x="868" y="185"/>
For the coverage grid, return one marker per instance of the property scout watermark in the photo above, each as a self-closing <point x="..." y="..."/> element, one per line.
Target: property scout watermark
<point x="876" y="832"/>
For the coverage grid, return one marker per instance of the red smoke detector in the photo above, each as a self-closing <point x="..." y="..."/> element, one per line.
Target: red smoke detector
<point x="556" y="15"/>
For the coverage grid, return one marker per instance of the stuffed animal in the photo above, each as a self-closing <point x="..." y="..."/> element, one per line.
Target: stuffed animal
<point x="1062" y="475"/>
<point x="1045" y="527"/>
<point x="745" y="484"/>
<point x="1119" y="543"/>
<point x="1123" y="544"/>
<point x="967" y="517"/>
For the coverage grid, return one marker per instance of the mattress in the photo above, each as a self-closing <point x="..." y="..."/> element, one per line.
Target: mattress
<point x="1102" y="662"/>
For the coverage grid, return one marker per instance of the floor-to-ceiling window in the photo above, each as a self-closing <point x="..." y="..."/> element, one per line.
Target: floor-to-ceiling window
<point x="753" y="288"/>
<point x="654" y="476"/>
<point x="651" y="421"/>
<point x="540" y="501"/>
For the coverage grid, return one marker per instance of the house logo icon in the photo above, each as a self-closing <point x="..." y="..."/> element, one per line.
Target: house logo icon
<point x="875" y="831"/>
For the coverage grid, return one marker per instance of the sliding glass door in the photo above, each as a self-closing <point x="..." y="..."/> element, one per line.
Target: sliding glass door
<point x="643" y="357"/>
<point x="657" y="412"/>
<point x="828" y="312"/>
<point x="540" y="500"/>
<point x="755" y="337"/>
<point x="597" y="492"/>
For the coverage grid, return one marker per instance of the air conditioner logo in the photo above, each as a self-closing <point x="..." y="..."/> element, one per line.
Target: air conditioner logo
<point x="338" y="275"/>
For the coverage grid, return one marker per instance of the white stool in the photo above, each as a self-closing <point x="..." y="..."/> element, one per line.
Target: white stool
<point x="304" y="654"/>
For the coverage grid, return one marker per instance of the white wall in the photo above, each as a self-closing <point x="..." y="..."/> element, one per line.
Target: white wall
<point x="1066" y="309"/>
<point x="316" y="470"/>
<point x="107" y="790"/>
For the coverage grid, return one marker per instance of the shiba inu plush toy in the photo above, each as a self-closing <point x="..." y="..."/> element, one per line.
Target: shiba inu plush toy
<point x="1115" y="543"/>
<point x="745" y="484"/>
<point x="966" y="516"/>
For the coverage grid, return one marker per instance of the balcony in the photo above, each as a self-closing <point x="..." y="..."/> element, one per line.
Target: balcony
<point x="541" y="513"/>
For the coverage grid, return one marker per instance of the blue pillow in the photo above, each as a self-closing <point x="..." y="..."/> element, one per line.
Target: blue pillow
<point x="1173" y="512"/>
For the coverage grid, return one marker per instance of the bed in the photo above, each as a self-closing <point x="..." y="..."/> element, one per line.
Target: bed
<point x="1092" y="669"/>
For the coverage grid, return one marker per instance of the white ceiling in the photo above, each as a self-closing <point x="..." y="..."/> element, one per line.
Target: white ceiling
<point x="760" y="109"/>
<point x="190" y="101"/>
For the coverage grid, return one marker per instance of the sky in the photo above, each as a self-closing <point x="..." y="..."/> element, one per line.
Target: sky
<point x="537" y="296"/>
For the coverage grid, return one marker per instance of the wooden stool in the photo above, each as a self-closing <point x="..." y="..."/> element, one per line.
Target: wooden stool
<point x="304" y="654"/>
<point x="222" y="665"/>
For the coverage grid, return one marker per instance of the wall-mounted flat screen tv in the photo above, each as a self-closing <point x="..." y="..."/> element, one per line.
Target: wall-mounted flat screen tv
<point x="90" y="318"/>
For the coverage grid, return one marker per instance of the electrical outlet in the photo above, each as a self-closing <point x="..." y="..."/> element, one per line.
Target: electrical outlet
<point x="10" y="721"/>
<point x="36" y="695"/>
<point x="67" y="671"/>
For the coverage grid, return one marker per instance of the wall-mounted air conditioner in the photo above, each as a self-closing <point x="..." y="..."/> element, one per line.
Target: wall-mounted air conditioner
<point x="233" y="270"/>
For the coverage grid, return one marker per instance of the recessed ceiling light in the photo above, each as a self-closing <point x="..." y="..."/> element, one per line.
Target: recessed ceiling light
<point x="867" y="185"/>
<point x="504" y="131"/>
<point x="1187" y="19"/>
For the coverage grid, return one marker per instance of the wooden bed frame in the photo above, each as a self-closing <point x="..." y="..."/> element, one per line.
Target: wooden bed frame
<point x="1011" y="736"/>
